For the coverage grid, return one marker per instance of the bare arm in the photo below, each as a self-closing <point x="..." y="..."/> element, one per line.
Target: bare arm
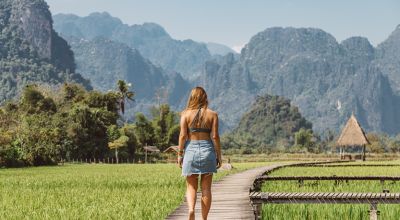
<point x="182" y="138"/>
<point x="215" y="138"/>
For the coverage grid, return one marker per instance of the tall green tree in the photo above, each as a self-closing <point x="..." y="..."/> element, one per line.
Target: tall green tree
<point x="144" y="130"/>
<point x="166" y="126"/>
<point x="132" y="144"/>
<point x="125" y="94"/>
<point x="117" y="139"/>
<point x="304" y="139"/>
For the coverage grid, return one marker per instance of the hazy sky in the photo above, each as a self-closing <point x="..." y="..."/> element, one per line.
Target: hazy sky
<point x="234" y="22"/>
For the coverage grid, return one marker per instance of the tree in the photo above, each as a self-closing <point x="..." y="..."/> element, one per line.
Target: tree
<point x="376" y="144"/>
<point x="116" y="139"/>
<point x="129" y="131"/>
<point x="37" y="130"/>
<point x="394" y="145"/>
<point x="72" y="92"/>
<point x="166" y="126"/>
<point x="144" y="130"/>
<point x="124" y="93"/>
<point x="33" y="101"/>
<point x="304" y="139"/>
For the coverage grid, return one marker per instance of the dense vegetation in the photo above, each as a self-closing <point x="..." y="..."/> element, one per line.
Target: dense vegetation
<point x="47" y="126"/>
<point x="269" y="125"/>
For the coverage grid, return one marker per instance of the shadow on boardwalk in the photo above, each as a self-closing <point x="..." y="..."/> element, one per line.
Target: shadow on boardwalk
<point x="230" y="197"/>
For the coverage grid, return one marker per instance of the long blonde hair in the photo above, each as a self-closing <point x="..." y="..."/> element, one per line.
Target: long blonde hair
<point x="198" y="99"/>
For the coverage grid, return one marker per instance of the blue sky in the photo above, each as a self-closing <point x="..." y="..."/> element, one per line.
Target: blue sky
<point x="234" y="22"/>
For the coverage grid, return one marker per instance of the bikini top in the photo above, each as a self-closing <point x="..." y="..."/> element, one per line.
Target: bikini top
<point x="196" y="119"/>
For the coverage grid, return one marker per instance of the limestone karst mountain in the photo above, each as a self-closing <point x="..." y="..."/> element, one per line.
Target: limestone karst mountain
<point x="326" y="79"/>
<point x="31" y="51"/>
<point x="104" y="62"/>
<point x="150" y="39"/>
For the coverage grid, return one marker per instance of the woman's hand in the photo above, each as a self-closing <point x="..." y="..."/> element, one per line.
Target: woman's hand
<point x="219" y="162"/>
<point x="180" y="161"/>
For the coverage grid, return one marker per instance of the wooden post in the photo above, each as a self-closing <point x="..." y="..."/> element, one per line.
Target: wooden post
<point x="145" y="156"/>
<point x="257" y="208"/>
<point x="301" y="183"/>
<point x="373" y="212"/>
<point x="363" y="157"/>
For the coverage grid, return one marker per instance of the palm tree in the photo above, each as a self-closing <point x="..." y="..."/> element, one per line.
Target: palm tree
<point x="124" y="93"/>
<point x="123" y="90"/>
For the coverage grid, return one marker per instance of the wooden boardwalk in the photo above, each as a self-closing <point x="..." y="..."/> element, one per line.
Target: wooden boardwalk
<point x="230" y="197"/>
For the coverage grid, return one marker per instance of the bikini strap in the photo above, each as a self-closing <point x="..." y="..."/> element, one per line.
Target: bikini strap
<point x="196" y="118"/>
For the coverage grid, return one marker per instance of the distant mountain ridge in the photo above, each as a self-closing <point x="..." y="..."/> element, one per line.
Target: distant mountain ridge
<point x="104" y="62"/>
<point x="150" y="39"/>
<point x="31" y="51"/>
<point x="388" y="58"/>
<point x="327" y="80"/>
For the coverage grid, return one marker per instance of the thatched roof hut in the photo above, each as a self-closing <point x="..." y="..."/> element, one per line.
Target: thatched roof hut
<point x="151" y="149"/>
<point x="352" y="135"/>
<point x="172" y="149"/>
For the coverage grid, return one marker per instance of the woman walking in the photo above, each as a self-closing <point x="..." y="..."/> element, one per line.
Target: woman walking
<point x="199" y="149"/>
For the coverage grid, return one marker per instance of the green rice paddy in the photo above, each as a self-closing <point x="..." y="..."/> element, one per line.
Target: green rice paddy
<point x="95" y="191"/>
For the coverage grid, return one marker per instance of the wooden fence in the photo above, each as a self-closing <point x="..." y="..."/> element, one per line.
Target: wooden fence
<point x="257" y="198"/>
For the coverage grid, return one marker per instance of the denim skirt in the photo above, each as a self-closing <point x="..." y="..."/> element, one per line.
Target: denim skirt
<point x="199" y="158"/>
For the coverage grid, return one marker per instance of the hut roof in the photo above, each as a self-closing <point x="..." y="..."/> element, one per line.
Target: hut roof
<point x="352" y="134"/>
<point x="173" y="149"/>
<point x="151" y="148"/>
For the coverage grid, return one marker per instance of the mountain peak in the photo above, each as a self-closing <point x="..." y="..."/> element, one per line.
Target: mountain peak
<point x="32" y="52"/>
<point x="100" y="14"/>
<point x="359" y="49"/>
<point x="277" y="43"/>
<point x="357" y="43"/>
<point x="153" y="29"/>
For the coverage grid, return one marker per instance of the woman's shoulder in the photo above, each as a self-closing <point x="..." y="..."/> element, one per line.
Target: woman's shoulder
<point x="212" y="112"/>
<point x="184" y="113"/>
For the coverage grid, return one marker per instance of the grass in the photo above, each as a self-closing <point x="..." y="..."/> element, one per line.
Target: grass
<point x="331" y="211"/>
<point x="95" y="191"/>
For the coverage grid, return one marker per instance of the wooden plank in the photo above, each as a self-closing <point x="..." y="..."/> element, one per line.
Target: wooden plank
<point x="347" y="197"/>
<point x="231" y="201"/>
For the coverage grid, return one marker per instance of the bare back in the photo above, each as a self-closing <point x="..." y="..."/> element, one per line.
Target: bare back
<point x="209" y="117"/>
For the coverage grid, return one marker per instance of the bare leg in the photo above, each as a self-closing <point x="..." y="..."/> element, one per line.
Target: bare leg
<point x="191" y="193"/>
<point x="206" y="181"/>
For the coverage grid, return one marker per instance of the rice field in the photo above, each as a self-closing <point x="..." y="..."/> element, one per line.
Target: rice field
<point x="332" y="211"/>
<point x="95" y="191"/>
